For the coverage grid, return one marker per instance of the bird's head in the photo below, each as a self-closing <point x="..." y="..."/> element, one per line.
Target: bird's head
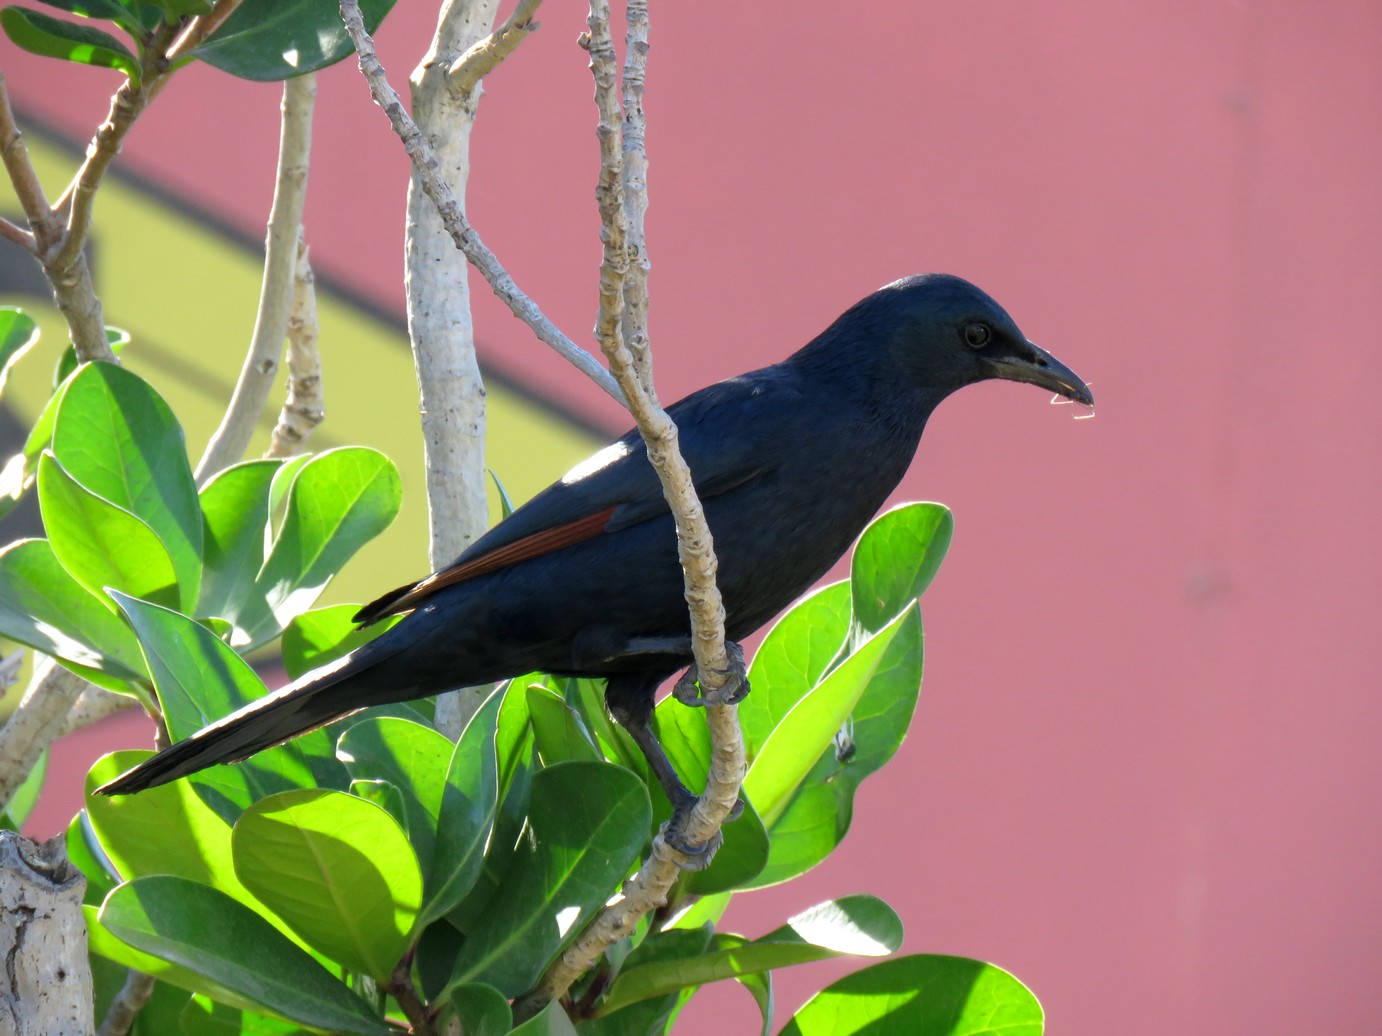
<point x="943" y="333"/>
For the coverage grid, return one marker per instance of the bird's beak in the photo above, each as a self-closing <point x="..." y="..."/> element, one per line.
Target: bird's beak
<point x="1038" y="367"/>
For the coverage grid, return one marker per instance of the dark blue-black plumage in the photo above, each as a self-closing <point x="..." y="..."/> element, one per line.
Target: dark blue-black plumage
<point x="790" y="461"/>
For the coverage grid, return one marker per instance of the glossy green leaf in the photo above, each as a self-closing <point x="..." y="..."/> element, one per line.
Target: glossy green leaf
<point x="269" y="40"/>
<point x="506" y="507"/>
<point x="483" y="1010"/>
<point x="587" y="697"/>
<point x="809" y="729"/>
<point x="586" y="822"/>
<point x="19" y="472"/>
<point x="200" y="680"/>
<point x="107" y="10"/>
<point x="178" y="8"/>
<point x="760" y="987"/>
<point x="469" y="804"/>
<point x="792" y="659"/>
<point x="206" y="931"/>
<point x="25" y="797"/>
<point x="337" y="869"/>
<point x="323" y="635"/>
<point x="86" y="853"/>
<point x="819" y="815"/>
<point x="116" y="338"/>
<point x="337" y="502"/>
<point x="102" y="545"/>
<point x="18" y="334"/>
<point x="895" y="560"/>
<point x="922" y="995"/>
<point x="53" y="38"/>
<point x="561" y="736"/>
<point x="550" y="1021"/>
<point x="203" y="1016"/>
<point x="652" y="1015"/>
<point x="861" y="926"/>
<point x="102" y="942"/>
<point x="412" y="758"/>
<point x="118" y="439"/>
<point x="44" y="607"/>
<point x="235" y="516"/>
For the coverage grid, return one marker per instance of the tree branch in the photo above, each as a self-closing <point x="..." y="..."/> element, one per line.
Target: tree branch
<point x="94" y="704"/>
<point x="462" y="233"/>
<point x="21" y="173"/>
<point x="123" y="1010"/>
<point x="648" y="889"/>
<point x="302" y="410"/>
<point x="257" y="375"/>
<point x="483" y="58"/>
<point x="634" y="180"/>
<point x="36" y="720"/>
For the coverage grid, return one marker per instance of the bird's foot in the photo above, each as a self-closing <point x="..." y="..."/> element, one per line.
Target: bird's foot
<point x="735" y="689"/>
<point x="698" y="856"/>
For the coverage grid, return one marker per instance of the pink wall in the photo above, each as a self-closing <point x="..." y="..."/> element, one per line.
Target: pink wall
<point x="1145" y="772"/>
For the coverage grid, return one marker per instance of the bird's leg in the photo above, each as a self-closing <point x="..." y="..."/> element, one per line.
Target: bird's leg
<point x="735" y="689"/>
<point x="630" y="702"/>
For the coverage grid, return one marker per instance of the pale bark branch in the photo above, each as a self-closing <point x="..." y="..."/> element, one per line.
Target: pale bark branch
<point x="21" y="173"/>
<point x="621" y="221"/>
<point x="303" y="409"/>
<point x="125" y="1008"/>
<point x="45" y="985"/>
<point x="484" y="57"/>
<point x="462" y="233"/>
<point x="35" y="722"/>
<point x="94" y="704"/>
<point x="634" y="177"/>
<point x="257" y="375"/>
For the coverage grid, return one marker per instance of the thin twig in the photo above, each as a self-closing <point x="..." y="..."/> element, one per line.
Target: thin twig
<point x="123" y="1010"/>
<point x="634" y="175"/>
<point x="257" y="375"/>
<point x="93" y="705"/>
<point x="464" y="235"/>
<point x="21" y="173"/>
<point x="648" y="889"/>
<point x="401" y="988"/>
<point x="483" y="58"/>
<point x="302" y="410"/>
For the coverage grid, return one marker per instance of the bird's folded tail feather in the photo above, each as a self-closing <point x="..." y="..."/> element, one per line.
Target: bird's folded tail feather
<point x="319" y="698"/>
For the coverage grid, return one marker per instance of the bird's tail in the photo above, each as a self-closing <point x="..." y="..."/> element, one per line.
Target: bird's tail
<point x="321" y="697"/>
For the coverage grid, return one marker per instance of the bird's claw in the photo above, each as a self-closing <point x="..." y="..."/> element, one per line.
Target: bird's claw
<point x="735" y="689"/>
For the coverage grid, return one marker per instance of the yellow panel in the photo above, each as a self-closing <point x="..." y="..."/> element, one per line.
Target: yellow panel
<point x="187" y="295"/>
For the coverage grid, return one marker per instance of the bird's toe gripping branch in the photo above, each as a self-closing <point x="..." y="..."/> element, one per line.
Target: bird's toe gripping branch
<point x="688" y="689"/>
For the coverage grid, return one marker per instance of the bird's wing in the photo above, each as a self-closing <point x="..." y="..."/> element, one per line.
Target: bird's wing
<point x="720" y="428"/>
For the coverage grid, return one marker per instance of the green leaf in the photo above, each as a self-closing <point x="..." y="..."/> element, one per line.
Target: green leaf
<point x="116" y="338"/>
<point x="586" y="823"/>
<point x="86" y="853"/>
<point x="107" y="10"/>
<point x="323" y="635"/>
<point x="206" y="931"/>
<point x="861" y="926"/>
<point x="559" y="733"/>
<point x="922" y="995"/>
<point x="819" y="816"/>
<point x="810" y="727"/>
<point x="202" y="1016"/>
<point x="19" y="472"/>
<point x="506" y="507"/>
<point x="792" y="659"/>
<point x="339" y="870"/>
<point x="269" y="40"/>
<point x="18" y="334"/>
<point x="470" y="801"/>
<point x="235" y="516"/>
<point x="44" y="607"/>
<point x="178" y="8"/>
<point x="337" y="502"/>
<point x="483" y="1010"/>
<point x="760" y="987"/>
<point x="200" y="680"/>
<point x="102" y="942"/>
<point x="25" y="796"/>
<point x="99" y="544"/>
<point x="53" y="38"/>
<point x="550" y="1021"/>
<point x="652" y="1015"/>
<point x="413" y="759"/>
<point x="895" y="560"/>
<point x="118" y="439"/>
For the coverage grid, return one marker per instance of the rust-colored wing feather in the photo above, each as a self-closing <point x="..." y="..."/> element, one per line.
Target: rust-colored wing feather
<point x="407" y="598"/>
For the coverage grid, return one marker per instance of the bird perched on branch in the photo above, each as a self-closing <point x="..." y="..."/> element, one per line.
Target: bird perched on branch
<point x="790" y="463"/>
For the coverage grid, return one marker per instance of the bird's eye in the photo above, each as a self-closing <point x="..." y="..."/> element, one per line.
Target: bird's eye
<point x="977" y="335"/>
